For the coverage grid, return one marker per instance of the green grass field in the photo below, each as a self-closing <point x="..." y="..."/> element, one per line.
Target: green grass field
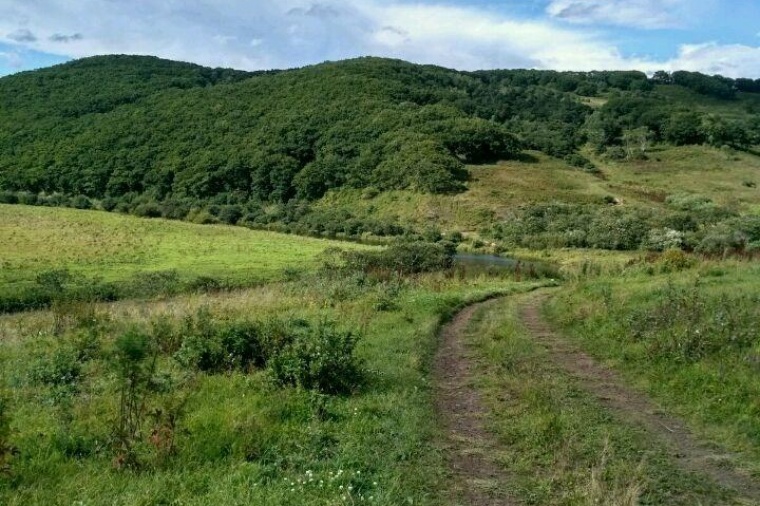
<point x="115" y="248"/>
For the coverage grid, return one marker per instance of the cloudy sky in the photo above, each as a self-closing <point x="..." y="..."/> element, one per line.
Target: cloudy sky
<point x="712" y="36"/>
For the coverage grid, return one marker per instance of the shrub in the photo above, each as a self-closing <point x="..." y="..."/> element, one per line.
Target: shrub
<point x="109" y="204"/>
<point x="581" y="162"/>
<point x="81" y="202"/>
<point x="297" y="353"/>
<point x="148" y="210"/>
<point x="134" y="362"/>
<point x="387" y="296"/>
<point x="721" y="240"/>
<point x="216" y="347"/>
<point x="61" y="374"/>
<point x="53" y="281"/>
<point x="661" y="239"/>
<point x="456" y="237"/>
<point x="674" y="260"/>
<point x="147" y="284"/>
<point x="27" y="198"/>
<point x="318" y="358"/>
<point x="230" y="214"/>
<point x="7" y="197"/>
<point x="403" y="258"/>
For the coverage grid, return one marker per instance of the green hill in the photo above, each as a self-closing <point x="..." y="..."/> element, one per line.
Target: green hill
<point x="326" y="149"/>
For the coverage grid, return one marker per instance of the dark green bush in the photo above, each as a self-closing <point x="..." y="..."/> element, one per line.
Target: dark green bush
<point x="148" y="284"/>
<point x="403" y="258"/>
<point x="7" y="197"/>
<point x="216" y="347"/>
<point x="109" y="204"/>
<point x="63" y="368"/>
<point x="148" y="210"/>
<point x="318" y="358"/>
<point x="81" y="202"/>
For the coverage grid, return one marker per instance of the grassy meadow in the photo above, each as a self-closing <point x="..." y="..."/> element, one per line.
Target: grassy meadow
<point x="101" y="248"/>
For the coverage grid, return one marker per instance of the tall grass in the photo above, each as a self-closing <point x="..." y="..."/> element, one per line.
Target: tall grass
<point x="234" y="434"/>
<point x="688" y="337"/>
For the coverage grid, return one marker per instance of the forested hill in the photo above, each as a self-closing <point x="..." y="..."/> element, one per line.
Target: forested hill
<point x="131" y="130"/>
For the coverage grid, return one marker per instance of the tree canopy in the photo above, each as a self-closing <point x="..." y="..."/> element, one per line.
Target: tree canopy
<point x="132" y="128"/>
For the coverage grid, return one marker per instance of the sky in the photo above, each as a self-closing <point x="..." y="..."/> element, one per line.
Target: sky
<point x="710" y="36"/>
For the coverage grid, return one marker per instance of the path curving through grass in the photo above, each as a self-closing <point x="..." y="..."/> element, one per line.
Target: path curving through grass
<point x="497" y="359"/>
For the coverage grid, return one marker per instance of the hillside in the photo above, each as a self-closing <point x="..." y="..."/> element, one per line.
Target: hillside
<point x="377" y="147"/>
<point x="612" y="359"/>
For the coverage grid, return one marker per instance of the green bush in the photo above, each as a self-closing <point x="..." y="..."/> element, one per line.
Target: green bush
<point x="81" y="202"/>
<point x="318" y="358"/>
<point x="7" y="197"/>
<point x="61" y="373"/>
<point x="213" y="347"/>
<point x="403" y="258"/>
<point x="134" y="364"/>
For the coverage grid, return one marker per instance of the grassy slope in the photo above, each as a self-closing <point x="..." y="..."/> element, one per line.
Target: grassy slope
<point x="720" y="175"/>
<point x="116" y="247"/>
<point x="496" y="189"/>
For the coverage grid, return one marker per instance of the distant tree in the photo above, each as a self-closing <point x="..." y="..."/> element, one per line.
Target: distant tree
<point x="684" y="128"/>
<point x="661" y="77"/>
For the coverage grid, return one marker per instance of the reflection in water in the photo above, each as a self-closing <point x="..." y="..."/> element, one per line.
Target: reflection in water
<point x="475" y="259"/>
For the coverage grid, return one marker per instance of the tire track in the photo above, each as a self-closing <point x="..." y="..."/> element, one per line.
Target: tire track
<point x="468" y="446"/>
<point x="633" y="407"/>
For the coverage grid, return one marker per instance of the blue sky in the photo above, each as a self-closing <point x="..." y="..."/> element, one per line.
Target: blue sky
<point x="711" y="36"/>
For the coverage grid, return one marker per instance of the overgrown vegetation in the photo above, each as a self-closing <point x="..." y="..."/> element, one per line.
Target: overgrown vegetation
<point x="562" y="446"/>
<point x="258" y="395"/>
<point x="687" y="333"/>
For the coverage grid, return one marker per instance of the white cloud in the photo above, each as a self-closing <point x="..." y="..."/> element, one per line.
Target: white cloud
<point x="11" y="58"/>
<point x="259" y="34"/>
<point x="733" y="60"/>
<point x="650" y="14"/>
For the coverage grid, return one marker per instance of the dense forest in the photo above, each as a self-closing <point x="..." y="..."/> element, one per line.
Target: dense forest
<point x="161" y="138"/>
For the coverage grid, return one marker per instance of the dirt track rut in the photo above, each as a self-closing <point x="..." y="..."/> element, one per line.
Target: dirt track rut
<point x="469" y="448"/>
<point x="478" y="480"/>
